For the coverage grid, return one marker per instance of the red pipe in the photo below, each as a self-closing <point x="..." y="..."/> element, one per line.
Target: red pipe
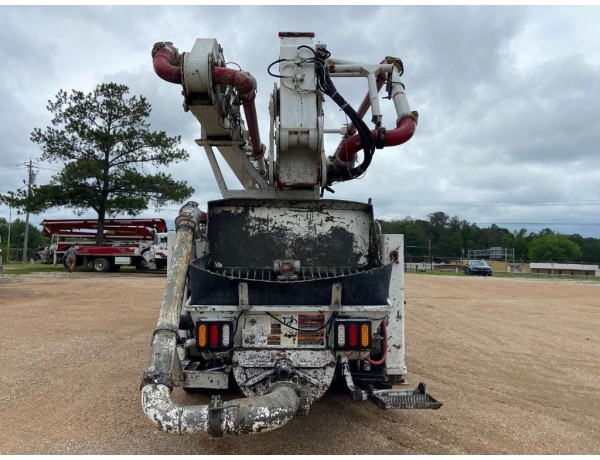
<point x="381" y="360"/>
<point x="346" y="152"/>
<point x="258" y="149"/>
<point x="166" y="61"/>
<point x="246" y="85"/>
<point x="243" y="82"/>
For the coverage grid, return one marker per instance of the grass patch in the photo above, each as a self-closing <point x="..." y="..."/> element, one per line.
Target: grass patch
<point x="27" y="268"/>
<point x="591" y="279"/>
<point x="17" y="268"/>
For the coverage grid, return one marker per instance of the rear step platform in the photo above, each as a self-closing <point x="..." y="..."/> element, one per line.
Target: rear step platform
<point x="404" y="399"/>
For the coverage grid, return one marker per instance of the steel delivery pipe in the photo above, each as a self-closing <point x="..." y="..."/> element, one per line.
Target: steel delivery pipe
<point x="406" y="127"/>
<point x="240" y="416"/>
<point x="167" y="63"/>
<point x="164" y="340"/>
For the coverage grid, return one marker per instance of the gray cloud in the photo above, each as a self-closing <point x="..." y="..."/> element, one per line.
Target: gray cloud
<point x="508" y="96"/>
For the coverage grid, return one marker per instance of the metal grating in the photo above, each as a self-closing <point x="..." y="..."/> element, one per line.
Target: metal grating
<point x="305" y="274"/>
<point x="404" y="399"/>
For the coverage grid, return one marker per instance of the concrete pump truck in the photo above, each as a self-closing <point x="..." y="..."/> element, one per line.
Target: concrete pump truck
<point x="286" y="292"/>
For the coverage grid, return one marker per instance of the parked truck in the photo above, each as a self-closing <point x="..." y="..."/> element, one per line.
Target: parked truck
<point x="141" y="243"/>
<point x="288" y="293"/>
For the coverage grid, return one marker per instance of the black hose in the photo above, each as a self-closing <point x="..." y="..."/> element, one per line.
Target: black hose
<point x="326" y="86"/>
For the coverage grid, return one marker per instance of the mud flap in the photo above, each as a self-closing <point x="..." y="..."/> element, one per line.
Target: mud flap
<point x="404" y="399"/>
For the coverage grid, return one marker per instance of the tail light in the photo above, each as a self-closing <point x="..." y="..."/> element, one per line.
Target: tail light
<point x="214" y="335"/>
<point x="352" y="335"/>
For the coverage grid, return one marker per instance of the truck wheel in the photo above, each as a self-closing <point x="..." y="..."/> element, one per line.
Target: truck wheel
<point x="101" y="265"/>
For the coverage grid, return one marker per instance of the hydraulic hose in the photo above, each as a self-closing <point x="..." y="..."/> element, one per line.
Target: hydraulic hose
<point x="381" y="360"/>
<point x="326" y="86"/>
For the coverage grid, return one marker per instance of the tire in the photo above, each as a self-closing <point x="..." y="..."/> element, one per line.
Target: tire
<point x="101" y="265"/>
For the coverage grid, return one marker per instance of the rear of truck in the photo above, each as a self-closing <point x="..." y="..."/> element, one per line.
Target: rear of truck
<point x="288" y="293"/>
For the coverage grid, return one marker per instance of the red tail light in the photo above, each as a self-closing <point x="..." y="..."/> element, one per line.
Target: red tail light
<point x="353" y="335"/>
<point x="214" y="335"/>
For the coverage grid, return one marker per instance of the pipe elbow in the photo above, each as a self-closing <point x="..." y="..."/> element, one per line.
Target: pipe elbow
<point x="166" y="61"/>
<point x="404" y="131"/>
<point x="240" y="416"/>
<point x="261" y="413"/>
<point x="171" y="417"/>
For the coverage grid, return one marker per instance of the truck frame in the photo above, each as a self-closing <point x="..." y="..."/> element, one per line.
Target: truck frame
<point x="287" y="293"/>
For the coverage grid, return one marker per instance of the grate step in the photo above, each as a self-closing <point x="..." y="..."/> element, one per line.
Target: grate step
<point x="404" y="399"/>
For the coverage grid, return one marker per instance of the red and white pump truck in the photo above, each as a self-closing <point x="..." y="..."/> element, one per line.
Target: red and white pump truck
<point x="286" y="293"/>
<point x="141" y="243"/>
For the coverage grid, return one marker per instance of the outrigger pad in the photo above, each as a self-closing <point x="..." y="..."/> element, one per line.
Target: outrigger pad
<point x="404" y="399"/>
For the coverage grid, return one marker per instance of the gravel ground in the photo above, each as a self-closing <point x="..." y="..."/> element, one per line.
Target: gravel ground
<point x="515" y="362"/>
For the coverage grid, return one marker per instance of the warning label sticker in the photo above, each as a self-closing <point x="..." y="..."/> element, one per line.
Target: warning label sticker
<point x="285" y="330"/>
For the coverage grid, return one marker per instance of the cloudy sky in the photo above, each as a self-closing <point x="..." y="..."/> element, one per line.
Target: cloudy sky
<point x="508" y="97"/>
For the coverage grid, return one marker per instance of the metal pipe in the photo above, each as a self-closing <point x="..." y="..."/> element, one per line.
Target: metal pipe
<point x="166" y="61"/>
<point x="242" y="81"/>
<point x="406" y="127"/>
<point x="246" y="85"/>
<point x="240" y="416"/>
<point x="164" y="341"/>
<point x="373" y="91"/>
<point x="167" y="64"/>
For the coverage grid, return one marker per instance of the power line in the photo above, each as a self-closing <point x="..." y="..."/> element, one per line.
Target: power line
<point x="537" y="223"/>
<point x="482" y="204"/>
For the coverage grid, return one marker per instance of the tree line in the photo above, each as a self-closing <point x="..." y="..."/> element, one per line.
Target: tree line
<point x="445" y="237"/>
<point x="103" y="142"/>
<point x="450" y="237"/>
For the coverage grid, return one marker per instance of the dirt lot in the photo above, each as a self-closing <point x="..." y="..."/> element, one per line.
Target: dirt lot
<point x="516" y="363"/>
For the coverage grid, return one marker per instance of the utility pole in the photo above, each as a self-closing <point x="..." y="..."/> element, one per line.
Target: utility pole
<point x="430" y="257"/>
<point x="31" y="179"/>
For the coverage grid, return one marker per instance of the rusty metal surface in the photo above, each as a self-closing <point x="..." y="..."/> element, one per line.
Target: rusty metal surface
<point x="319" y="233"/>
<point x="314" y="369"/>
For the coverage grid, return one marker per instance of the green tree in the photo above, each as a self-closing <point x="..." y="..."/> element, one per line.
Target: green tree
<point x="492" y="236"/>
<point x="102" y="140"/>
<point x="553" y="247"/>
<point x="35" y="238"/>
<point x="519" y="241"/>
<point x="589" y="246"/>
